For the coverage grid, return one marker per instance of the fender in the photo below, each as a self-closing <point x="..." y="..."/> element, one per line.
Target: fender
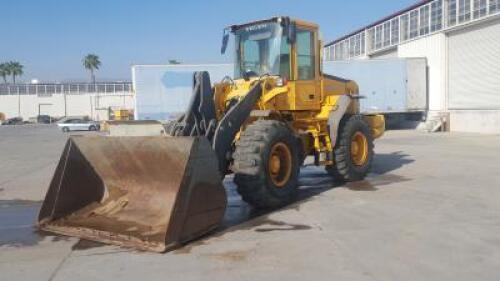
<point x="336" y="115"/>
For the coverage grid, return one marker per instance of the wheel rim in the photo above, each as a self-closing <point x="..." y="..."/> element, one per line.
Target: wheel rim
<point x="280" y="164"/>
<point x="359" y="149"/>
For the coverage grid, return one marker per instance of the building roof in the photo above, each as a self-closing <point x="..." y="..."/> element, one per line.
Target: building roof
<point x="414" y="6"/>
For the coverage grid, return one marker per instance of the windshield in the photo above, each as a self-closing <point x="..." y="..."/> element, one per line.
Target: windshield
<point x="262" y="49"/>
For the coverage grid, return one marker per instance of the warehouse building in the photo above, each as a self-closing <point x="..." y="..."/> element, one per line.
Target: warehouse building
<point x="460" y="40"/>
<point x="95" y="101"/>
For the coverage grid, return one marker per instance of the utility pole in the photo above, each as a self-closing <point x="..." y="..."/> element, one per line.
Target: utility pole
<point x="65" y="104"/>
<point x="18" y="102"/>
<point x="91" y="107"/>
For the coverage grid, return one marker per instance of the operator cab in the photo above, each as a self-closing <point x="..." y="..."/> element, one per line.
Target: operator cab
<point x="267" y="47"/>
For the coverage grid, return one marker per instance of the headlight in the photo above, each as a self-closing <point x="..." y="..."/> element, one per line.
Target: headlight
<point x="280" y="82"/>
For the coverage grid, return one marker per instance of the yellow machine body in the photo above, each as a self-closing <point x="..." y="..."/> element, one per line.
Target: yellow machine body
<point x="305" y="104"/>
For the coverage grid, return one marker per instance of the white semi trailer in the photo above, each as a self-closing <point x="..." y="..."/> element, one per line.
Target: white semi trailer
<point x="389" y="86"/>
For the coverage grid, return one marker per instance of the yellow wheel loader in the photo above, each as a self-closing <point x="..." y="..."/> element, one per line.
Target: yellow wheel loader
<point x="155" y="193"/>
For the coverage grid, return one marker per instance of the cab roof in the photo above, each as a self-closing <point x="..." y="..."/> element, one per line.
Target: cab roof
<point x="275" y="19"/>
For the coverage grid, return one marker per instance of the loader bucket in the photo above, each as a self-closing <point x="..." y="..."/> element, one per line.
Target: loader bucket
<point x="149" y="193"/>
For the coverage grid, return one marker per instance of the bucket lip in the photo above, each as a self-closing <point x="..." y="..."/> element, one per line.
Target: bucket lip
<point x="78" y="137"/>
<point x="126" y="241"/>
<point x="107" y="237"/>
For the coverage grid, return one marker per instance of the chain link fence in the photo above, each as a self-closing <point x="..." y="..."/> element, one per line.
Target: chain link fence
<point x="69" y="88"/>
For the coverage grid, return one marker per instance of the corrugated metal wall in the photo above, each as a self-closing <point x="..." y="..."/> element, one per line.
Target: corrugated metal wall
<point x="474" y="67"/>
<point x="390" y="54"/>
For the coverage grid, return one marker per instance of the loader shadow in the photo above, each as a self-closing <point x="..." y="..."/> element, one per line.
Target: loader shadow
<point x="18" y="217"/>
<point x="313" y="182"/>
<point x="386" y="163"/>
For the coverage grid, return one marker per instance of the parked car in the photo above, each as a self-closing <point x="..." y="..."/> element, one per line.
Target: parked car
<point x="78" y="124"/>
<point x="13" y="121"/>
<point x="44" y="119"/>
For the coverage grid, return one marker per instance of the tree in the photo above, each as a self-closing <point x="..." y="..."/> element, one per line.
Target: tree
<point x="91" y="63"/>
<point x="4" y="71"/>
<point x="174" y="62"/>
<point x="16" y="69"/>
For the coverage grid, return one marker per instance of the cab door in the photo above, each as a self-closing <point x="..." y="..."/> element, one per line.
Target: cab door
<point x="307" y="82"/>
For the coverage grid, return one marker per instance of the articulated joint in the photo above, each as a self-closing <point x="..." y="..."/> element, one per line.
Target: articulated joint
<point x="323" y="148"/>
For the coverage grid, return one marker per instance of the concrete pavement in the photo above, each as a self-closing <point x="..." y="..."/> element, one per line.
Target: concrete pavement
<point x="429" y="211"/>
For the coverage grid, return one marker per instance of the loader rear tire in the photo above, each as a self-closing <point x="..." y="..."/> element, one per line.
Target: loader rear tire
<point x="353" y="153"/>
<point x="266" y="164"/>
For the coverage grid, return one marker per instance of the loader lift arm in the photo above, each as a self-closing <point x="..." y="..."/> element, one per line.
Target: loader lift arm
<point x="200" y="119"/>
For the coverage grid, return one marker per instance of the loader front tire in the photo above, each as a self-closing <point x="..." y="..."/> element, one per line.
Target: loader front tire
<point x="353" y="153"/>
<point x="266" y="164"/>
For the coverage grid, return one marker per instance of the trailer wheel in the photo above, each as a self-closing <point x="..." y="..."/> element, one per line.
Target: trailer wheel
<point x="353" y="153"/>
<point x="266" y="164"/>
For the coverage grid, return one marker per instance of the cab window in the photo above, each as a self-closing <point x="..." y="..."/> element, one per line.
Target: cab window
<point x="305" y="55"/>
<point x="264" y="56"/>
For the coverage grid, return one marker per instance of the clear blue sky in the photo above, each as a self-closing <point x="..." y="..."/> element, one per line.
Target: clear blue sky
<point x="50" y="37"/>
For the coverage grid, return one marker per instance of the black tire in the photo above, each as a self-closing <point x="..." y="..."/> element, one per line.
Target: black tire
<point x="65" y="129"/>
<point x="255" y="180"/>
<point x="92" y="128"/>
<point x="301" y="152"/>
<point x="345" y="168"/>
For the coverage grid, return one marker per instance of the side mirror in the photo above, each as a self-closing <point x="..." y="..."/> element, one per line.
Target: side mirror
<point x="225" y="40"/>
<point x="291" y="33"/>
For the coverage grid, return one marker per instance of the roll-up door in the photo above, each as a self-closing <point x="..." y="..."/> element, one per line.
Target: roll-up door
<point x="474" y="67"/>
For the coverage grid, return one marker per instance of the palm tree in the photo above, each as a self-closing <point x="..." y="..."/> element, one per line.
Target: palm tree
<point x="4" y="71"/>
<point x="16" y="69"/>
<point x="91" y="63"/>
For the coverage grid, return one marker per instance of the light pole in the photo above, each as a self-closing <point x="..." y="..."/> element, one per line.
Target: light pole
<point x="18" y="102"/>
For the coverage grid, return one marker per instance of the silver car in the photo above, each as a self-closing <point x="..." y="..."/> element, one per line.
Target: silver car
<point x="78" y="124"/>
